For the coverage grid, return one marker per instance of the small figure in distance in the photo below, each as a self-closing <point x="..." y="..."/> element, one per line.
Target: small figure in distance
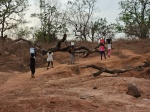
<point x="50" y="59"/>
<point x="101" y="41"/>
<point x="32" y="65"/>
<point x="33" y="51"/>
<point x="102" y="50"/>
<point x="72" y="53"/>
<point x="109" y="45"/>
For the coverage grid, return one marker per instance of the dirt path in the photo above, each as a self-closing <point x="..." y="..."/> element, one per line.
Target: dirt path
<point x="59" y="89"/>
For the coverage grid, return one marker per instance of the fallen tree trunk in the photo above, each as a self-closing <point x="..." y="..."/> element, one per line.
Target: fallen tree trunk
<point x="114" y="71"/>
<point x="101" y="70"/>
<point x="37" y="47"/>
<point x="85" y="50"/>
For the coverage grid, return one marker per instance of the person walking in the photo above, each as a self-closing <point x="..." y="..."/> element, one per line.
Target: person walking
<point x="109" y="46"/>
<point x="72" y="53"/>
<point x="32" y="65"/>
<point x="101" y="40"/>
<point x="50" y="59"/>
<point x="102" y="50"/>
<point x="33" y="51"/>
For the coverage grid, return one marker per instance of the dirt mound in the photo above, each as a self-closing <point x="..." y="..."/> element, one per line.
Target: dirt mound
<point x="68" y="88"/>
<point x="72" y="94"/>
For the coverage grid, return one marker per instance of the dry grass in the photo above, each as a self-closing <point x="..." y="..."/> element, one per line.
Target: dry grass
<point x="75" y="69"/>
<point x="139" y="46"/>
<point x="18" y="53"/>
<point x="120" y="54"/>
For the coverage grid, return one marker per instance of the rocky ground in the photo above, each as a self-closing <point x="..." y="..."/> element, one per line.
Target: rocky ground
<point x="68" y="88"/>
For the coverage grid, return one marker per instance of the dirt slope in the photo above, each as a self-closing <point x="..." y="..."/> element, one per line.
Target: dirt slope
<point x="63" y="89"/>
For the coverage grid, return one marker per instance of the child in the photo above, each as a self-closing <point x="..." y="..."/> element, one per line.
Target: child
<point x="109" y="43"/>
<point x="101" y="40"/>
<point x="72" y="54"/>
<point x="50" y="59"/>
<point x="102" y="50"/>
<point x="32" y="65"/>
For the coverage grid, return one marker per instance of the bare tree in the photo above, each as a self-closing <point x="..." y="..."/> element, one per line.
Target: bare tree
<point x="51" y="19"/>
<point x="79" y="14"/>
<point x="136" y="17"/>
<point x="101" y="27"/>
<point x="11" y="14"/>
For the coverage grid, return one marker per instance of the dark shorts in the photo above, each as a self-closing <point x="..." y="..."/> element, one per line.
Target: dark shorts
<point x="32" y="68"/>
<point x="102" y="52"/>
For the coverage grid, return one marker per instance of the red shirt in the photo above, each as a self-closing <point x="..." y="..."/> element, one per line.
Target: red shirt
<point x="102" y="48"/>
<point x="101" y="40"/>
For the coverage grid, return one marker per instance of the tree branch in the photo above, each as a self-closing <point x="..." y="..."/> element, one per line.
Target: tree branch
<point x="114" y="71"/>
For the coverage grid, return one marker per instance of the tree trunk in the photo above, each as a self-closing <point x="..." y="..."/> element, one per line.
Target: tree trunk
<point x="143" y="24"/>
<point x="3" y="25"/>
<point x="116" y="71"/>
<point x="92" y="37"/>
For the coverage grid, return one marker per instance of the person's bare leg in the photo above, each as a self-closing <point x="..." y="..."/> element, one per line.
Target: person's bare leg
<point x="48" y="65"/>
<point x="52" y="64"/>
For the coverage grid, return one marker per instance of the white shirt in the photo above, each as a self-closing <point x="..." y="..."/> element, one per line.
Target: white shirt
<point x="32" y="50"/>
<point x="98" y="41"/>
<point x="50" y="56"/>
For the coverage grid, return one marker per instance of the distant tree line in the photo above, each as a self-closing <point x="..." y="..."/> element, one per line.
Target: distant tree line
<point x="134" y="19"/>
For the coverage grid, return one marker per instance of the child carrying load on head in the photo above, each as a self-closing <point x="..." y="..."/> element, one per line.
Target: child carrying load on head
<point x="50" y="59"/>
<point x="72" y="53"/>
<point x="109" y="45"/>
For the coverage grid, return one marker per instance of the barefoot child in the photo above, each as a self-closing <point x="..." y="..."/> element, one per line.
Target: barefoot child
<point x="101" y="40"/>
<point x="72" y="55"/>
<point x="102" y="50"/>
<point x="109" y="44"/>
<point x="50" y="59"/>
<point x="32" y="65"/>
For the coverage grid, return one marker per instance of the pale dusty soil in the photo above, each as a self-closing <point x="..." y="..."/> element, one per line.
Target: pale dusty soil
<point x="62" y="89"/>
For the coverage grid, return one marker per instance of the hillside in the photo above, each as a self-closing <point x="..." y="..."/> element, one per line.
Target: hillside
<point x="69" y="88"/>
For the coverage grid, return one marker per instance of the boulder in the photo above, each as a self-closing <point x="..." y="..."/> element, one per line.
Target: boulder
<point x="148" y="71"/>
<point x="133" y="91"/>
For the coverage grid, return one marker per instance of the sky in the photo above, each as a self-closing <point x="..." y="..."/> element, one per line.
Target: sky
<point x="108" y="9"/>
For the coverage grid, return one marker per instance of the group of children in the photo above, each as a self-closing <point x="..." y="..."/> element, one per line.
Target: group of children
<point x="49" y="59"/>
<point x="32" y="62"/>
<point x="102" y="47"/>
<point x="102" y="50"/>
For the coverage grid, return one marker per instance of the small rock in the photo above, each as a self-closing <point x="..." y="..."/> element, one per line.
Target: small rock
<point x="95" y="87"/>
<point x="133" y="91"/>
<point x="139" y="68"/>
<point x="95" y="105"/>
<point x="83" y="97"/>
<point x="6" y="52"/>
<point x="148" y="72"/>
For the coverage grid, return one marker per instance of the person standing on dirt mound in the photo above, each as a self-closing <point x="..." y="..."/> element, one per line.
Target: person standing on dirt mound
<point x="72" y="53"/>
<point x="101" y="41"/>
<point x="33" y="51"/>
<point x="109" y="45"/>
<point x="50" y="59"/>
<point x="32" y="65"/>
<point x="102" y="50"/>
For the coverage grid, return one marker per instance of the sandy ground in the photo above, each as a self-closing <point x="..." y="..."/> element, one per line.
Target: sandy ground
<point x="64" y="89"/>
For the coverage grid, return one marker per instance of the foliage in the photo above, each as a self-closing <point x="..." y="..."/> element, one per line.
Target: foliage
<point x="11" y="14"/>
<point x="51" y="21"/>
<point x="48" y="38"/>
<point x="79" y="14"/>
<point x="102" y="28"/>
<point x="136" y="18"/>
<point x="23" y="32"/>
